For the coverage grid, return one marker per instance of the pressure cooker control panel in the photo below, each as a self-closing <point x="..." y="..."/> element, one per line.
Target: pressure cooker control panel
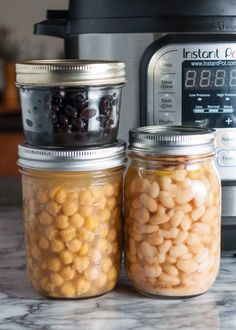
<point x="195" y="84"/>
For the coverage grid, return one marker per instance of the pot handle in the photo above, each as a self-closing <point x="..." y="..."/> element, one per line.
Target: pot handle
<point x="55" y="25"/>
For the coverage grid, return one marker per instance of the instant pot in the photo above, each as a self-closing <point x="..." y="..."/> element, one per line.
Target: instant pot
<point x="181" y="67"/>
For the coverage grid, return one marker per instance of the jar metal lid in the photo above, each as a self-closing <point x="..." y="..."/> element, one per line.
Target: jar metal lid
<point x="70" y="73"/>
<point x="172" y="140"/>
<point x="72" y="160"/>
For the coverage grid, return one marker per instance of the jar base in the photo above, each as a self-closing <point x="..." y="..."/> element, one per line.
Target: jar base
<point x="73" y="298"/>
<point x="165" y="296"/>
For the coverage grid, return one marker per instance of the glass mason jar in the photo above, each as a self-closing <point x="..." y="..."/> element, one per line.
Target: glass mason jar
<point x="172" y="211"/>
<point x="70" y="103"/>
<point x="73" y="218"/>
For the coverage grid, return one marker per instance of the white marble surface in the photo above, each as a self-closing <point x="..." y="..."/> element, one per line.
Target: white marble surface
<point x="22" y="308"/>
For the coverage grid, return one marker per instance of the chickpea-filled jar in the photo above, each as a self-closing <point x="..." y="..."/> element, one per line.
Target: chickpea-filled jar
<point x="172" y="211"/>
<point x="72" y="215"/>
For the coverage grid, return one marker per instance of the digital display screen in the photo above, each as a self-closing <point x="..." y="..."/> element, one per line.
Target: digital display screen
<point x="207" y="78"/>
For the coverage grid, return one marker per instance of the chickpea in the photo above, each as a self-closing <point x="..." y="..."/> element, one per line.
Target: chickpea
<point x="56" y="279"/>
<point x="35" y="252"/>
<point x="68" y="290"/>
<point x="67" y="273"/>
<point x="54" y="264"/>
<point x="96" y="256"/>
<point x="66" y="257"/>
<point x="103" y="230"/>
<point x="101" y="281"/>
<point x="60" y="196"/>
<point x="86" y="235"/>
<point x="102" y="244"/>
<point x="69" y="208"/>
<point x="62" y="222"/>
<point x="86" y="198"/>
<point x="82" y="286"/>
<point x="106" y="264"/>
<point x="53" y="192"/>
<point x="84" y="249"/>
<point x="44" y="243"/>
<point x="53" y="208"/>
<point x="105" y="215"/>
<point x="112" y="274"/>
<point x="57" y="246"/>
<point x="51" y="232"/>
<point x="67" y="234"/>
<point x="77" y="220"/>
<point x="45" y="218"/>
<point x="92" y="273"/>
<point x="74" y="245"/>
<point x="91" y="222"/>
<point x="111" y="203"/>
<point x="81" y="264"/>
<point x="85" y="210"/>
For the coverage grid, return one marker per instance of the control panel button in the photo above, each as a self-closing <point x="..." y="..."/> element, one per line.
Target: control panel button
<point x="167" y="102"/>
<point x="166" y="65"/>
<point x="226" y="158"/>
<point x="226" y="139"/>
<point x="167" y="82"/>
<point x="226" y="121"/>
<point x="200" y="122"/>
<point x="165" y="119"/>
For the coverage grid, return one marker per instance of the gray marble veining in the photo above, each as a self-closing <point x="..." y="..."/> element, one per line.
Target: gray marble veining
<point x="22" y="308"/>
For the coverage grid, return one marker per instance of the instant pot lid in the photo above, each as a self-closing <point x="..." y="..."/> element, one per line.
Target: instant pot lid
<point x="107" y="16"/>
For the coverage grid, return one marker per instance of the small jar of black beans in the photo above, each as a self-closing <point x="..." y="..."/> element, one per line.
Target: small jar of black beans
<point x="68" y="103"/>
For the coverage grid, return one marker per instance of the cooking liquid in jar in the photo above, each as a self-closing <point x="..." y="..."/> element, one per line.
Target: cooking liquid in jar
<point x="73" y="232"/>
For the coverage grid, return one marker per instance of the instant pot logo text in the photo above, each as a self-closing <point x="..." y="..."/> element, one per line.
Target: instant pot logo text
<point x="199" y="53"/>
<point x="228" y="53"/>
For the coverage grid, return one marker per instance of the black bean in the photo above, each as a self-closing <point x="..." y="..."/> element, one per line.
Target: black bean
<point x="64" y="120"/>
<point x="109" y="123"/>
<point x="78" y="123"/>
<point x="107" y="113"/>
<point x="106" y="105"/>
<point x="80" y="97"/>
<point x="55" y="108"/>
<point x="71" y="111"/>
<point x="56" y="100"/>
<point x="102" y="119"/>
<point x="88" y="113"/>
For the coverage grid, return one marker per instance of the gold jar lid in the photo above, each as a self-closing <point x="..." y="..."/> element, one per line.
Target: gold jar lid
<point x="70" y="73"/>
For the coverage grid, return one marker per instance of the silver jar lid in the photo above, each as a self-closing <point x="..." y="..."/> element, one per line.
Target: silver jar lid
<point x="73" y="160"/>
<point x="172" y="140"/>
<point x="70" y="73"/>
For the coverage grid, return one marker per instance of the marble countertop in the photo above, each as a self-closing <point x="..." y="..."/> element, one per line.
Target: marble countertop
<point x="22" y="308"/>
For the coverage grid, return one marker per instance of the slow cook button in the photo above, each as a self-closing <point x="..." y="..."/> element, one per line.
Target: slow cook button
<point x="226" y="139"/>
<point x="167" y="102"/>
<point x="226" y="158"/>
<point x="167" y="82"/>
